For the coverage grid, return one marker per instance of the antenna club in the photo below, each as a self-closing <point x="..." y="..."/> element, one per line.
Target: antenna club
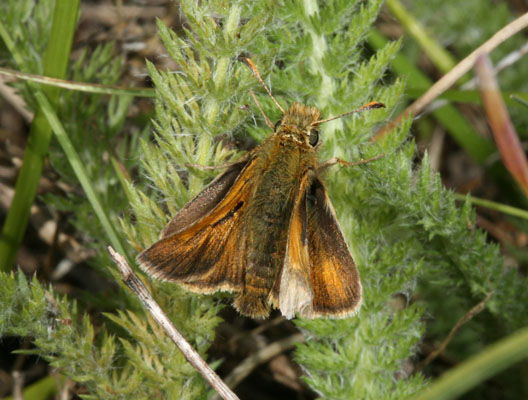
<point x="369" y="106"/>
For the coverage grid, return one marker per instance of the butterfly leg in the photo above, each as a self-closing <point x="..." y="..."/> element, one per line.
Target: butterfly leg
<point x="335" y="160"/>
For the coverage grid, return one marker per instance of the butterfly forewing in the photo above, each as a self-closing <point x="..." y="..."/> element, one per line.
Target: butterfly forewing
<point x="205" y="201"/>
<point x="205" y="255"/>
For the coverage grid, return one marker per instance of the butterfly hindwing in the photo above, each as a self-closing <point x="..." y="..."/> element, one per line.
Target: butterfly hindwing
<point x="334" y="276"/>
<point x="295" y="293"/>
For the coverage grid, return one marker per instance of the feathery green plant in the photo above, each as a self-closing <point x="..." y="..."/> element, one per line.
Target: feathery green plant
<point x="406" y="233"/>
<point x="401" y="222"/>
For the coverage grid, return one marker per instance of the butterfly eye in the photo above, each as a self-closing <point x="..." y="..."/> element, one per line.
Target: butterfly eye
<point x="313" y="138"/>
<point x="278" y="124"/>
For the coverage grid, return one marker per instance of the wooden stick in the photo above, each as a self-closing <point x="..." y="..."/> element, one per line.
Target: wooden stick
<point x="132" y="281"/>
<point x="465" y="318"/>
<point x="262" y="356"/>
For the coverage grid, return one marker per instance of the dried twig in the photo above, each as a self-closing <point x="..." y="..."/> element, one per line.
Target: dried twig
<point x="132" y="281"/>
<point x="260" y="357"/>
<point x="18" y="385"/>
<point x="458" y="71"/>
<point x="507" y="61"/>
<point x="470" y="314"/>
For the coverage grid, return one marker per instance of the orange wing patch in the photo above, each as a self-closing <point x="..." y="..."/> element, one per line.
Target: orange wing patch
<point x="333" y="273"/>
<point x="295" y="291"/>
<point x="205" y="201"/>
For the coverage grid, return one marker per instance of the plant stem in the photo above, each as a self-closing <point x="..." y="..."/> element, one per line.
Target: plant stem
<point x="503" y="208"/>
<point x="79" y="170"/>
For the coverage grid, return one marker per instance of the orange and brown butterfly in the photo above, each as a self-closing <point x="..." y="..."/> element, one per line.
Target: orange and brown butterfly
<point x="265" y="229"/>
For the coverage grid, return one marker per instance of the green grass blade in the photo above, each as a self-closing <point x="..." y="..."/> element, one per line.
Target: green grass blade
<point x="78" y="168"/>
<point x="456" y="125"/>
<point x="441" y="58"/>
<point x="492" y="205"/>
<point x="487" y="363"/>
<point x="55" y="62"/>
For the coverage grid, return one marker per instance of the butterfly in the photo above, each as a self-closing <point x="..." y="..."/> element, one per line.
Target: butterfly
<point x="265" y="229"/>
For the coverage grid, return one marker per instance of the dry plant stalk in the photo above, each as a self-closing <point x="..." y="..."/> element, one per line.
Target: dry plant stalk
<point x="132" y="281"/>
<point x="465" y="318"/>
<point x="456" y="73"/>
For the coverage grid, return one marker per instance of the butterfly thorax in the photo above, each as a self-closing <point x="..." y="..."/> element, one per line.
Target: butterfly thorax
<point x="283" y="159"/>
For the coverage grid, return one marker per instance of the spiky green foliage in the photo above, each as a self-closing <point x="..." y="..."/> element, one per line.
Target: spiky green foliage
<point x="27" y="19"/>
<point x="61" y="333"/>
<point x="141" y="363"/>
<point x="319" y="52"/>
<point x="401" y="223"/>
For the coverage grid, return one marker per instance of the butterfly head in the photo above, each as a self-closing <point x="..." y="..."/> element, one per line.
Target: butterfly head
<point x="299" y="123"/>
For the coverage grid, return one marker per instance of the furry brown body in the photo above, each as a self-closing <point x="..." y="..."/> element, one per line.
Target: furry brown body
<point x="266" y="230"/>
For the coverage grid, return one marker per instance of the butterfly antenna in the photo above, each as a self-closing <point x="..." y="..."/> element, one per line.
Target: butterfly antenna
<point x="369" y="106"/>
<point x="268" y="121"/>
<point x="254" y="69"/>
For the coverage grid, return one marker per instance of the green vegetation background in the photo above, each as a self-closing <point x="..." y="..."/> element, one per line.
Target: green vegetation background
<point x="422" y="261"/>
